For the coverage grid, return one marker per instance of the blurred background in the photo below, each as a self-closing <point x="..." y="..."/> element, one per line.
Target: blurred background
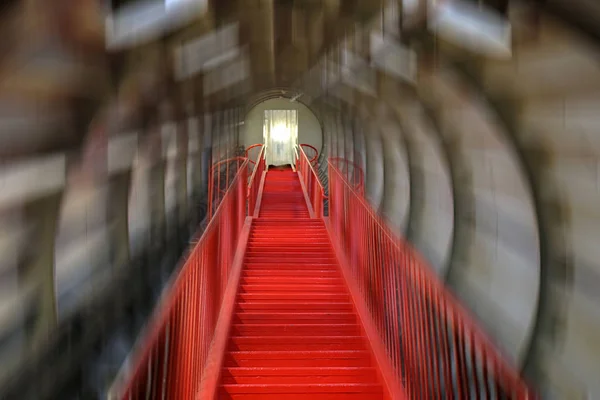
<point x="476" y="124"/>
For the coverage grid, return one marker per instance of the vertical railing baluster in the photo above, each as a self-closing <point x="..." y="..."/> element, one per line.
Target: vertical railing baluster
<point x="171" y="363"/>
<point x="436" y="349"/>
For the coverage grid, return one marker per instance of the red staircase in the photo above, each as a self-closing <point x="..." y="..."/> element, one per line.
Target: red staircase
<point x="285" y="306"/>
<point x="295" y="333"/>
<point x="283" y="196"/>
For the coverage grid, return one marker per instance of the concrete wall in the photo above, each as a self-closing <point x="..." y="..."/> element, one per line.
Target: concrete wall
<point x="496" y="266"/>
<point x="548" y="95"/>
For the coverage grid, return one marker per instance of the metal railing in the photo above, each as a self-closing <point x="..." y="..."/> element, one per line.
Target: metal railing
<point x="171" y="363"/>
<point x="251" y="149"/>
<point x="221" y="175"/>
<point x="352" y="171"/>
<point x="255" y="178"/>
<point x="435" y="347"/>
<point x="310" y="179"/>
<point x="311" y="152"/>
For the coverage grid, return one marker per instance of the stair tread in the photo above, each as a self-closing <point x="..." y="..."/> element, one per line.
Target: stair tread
<point x="297" y="314"/>
<point x="291" y="279"/>
<point x="289" y="287"/>
<point x="298" y="324"/>
<point x="304" y="388"/>
<point x="314" y="264"/>
<point x="284" y="295"/>
<point x="298" y="370"/>
<point x="295" y="339"/>
<point x="282" y="343"/>
<point x="289" y="354"/>
<point x="295" y="331"/>
<point x="294" y="305"/>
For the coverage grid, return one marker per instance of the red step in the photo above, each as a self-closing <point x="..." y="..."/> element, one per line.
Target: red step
<point x="295" y="333"/>
<point x="292" y="279"/>
<point x="302" y="304"/>
<point x="245" y="343"/>
<point x="314" y="391"/>
<point x="298" y="375"/>
<point x="282" y="196"/>
<point x="322" y="272"/>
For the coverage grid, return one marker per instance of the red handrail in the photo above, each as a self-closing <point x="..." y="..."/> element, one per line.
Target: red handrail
<point x="253" y="147"/>
<point x="172" y="361"/>
<point x="310" y="179"/>
<point x="255" y="178"/>
<point x="217" y="186"/>
<point x="352" y="171"/>
<point x="314" y="158"/>
<point x="437" y="350"/>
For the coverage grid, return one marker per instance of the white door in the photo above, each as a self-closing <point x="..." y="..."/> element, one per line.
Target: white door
<point x="280" y="133"/>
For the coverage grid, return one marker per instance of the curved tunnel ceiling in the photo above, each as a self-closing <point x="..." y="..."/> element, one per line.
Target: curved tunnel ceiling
<point x="495" y="249"/>
<point x="489" y="168"/>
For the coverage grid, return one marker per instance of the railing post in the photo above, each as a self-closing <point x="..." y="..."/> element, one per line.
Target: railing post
<point x="430" y="339"/>
<point x="173" y="361"/>
<point x="254" y="184"/>
<point x="242" y="197"/>
<point x="319" y="201"/>
<point x="223" y="250"/>
<point x="251" y="204"/>
<point x="316" y="193"/>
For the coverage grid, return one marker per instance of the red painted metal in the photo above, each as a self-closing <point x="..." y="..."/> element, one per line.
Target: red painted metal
<point x="282" y="195"/>
<point x="386" y="369"/>
<point x="171" y="361"/>
<point x="249" y="149"/>
<point x="312" y="185"/>
<point x="221" y="174"/>
<point x="436" y="348"/>
<point x="295" y="332"/>
<point x="256" y="178"/>
<point x="311" y="152"/>
<point x="219" y="180"/>
<point x="210" y="379"/>
<point x="300" y="307"/>
<point x="351" y="171"/>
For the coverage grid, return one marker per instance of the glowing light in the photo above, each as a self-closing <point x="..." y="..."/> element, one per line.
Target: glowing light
<point x="280" y="133"/>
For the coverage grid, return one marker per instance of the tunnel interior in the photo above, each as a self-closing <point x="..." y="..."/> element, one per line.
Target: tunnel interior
<point x="486" y="164"/>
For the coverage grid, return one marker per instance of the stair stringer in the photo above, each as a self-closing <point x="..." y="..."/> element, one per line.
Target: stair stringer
<point x="393" y="389"/>
<point x="259" y="196"/>
<point x="218" y="347"/>
<point x="311" y="210"/>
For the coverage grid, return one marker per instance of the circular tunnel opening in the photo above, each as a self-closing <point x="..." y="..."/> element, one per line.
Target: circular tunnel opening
<point x="281" y="123"/>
